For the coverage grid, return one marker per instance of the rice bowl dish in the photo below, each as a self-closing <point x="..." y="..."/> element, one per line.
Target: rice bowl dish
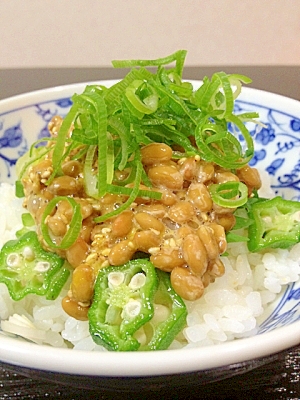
<point x="251" y="298"/>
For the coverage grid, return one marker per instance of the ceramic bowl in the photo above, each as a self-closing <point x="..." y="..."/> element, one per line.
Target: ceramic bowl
<point x="23" y="120"/>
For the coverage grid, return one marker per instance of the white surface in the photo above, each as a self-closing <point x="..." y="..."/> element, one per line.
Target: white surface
<point x="51" y="33"/>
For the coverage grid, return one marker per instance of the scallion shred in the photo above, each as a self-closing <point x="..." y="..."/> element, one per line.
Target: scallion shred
<point x="132" y="196"/>
<point x="27" y="220"/>
<point x="73" y="229"/>
<point x="109" y="125"/>
<point x="230" y="194"/>
<point x="19" y="190"/>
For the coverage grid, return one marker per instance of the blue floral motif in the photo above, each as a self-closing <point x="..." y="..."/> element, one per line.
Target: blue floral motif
<point x="290" y="180"/>
<point x="265" y="135"/>
<point x="288" y="143"/>
<point x="64" y="103"/>
<point x="281" y="319"/>
<point x="294" y="294"/>
<point x="46" y="114"/>
<point x="13" y="142"/>
<point x="295" y="124"/>
<point x="273" y="167"/>
<point x="286" y="312"/>
<point x="258" y="156"/>
<point x="12" y="137"/>
<point x="44" y="133"/>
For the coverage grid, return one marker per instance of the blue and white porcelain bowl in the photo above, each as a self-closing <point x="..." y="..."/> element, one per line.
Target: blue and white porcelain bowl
<point x="24" y="119"/>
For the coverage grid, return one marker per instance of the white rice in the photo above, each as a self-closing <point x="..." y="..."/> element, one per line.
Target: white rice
<point x="231" y="308"/>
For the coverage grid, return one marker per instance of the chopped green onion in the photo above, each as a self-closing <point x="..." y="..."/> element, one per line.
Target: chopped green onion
<point x="218" y="145"/>
<point x="146" y="105"/>
<point x="178" y="56"/>
<point x="27" y="220"/>
<point x="89" y="177"/>
<point x="30" y="158"/>
<point x="232" y="237"/>
<point x="133" y="195"/>
<point x="110" y="158"/>
<point x="151" y="194"/>
<point x="237" y="80"/>
<point x="62" y="137"/>
<point x="106" y="127"/>
<point x="74" y="227"/>
<point x="119" y="128"/>
<point x="57" y="167"/>
<point x="229" y="194"/>
<point x="19" y="190"/>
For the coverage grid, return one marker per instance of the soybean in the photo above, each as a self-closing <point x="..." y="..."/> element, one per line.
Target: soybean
<point x="74" y="309"/>
<point x="186" y="284"/>
<point x="194" y="254"/>
<point x="155" y="153"/>
<point x="82" y="285"/>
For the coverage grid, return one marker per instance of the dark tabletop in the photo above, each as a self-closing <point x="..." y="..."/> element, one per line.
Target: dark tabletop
<point x="279" y="378"/>
<point x="283" y="80"/>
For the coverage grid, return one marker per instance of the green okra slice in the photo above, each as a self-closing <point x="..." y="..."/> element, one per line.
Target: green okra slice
<point x="25" y="267"/>
<point x="276" y="224"/>
<point x="122" y="303"/>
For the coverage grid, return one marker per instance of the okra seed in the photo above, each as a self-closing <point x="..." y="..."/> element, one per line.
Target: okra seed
<point x="113" y="315"/>
<point x="137" y="281"/>
<point x="161" y="313"/>
<point x="42" y="266"/>
<point x="28" y="253"/>
<point x="267" y="220"/>
<point x="13" y="260"/>
<point x="132" y="309"/>
<point x="115" y="279"/>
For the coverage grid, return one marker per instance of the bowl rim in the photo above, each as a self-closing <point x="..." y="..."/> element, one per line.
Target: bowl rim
<point x="161" y="362"/>
<point x="48" y="92"/>
<point x="113" y="364"/>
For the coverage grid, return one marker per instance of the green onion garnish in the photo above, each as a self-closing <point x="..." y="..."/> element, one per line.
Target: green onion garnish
<point x="229" y="194"/>
<point x="74" y="227"/>
<point x="27" y="220"/>
<point x="106" y="127"/>
<point x="19" y="190"/>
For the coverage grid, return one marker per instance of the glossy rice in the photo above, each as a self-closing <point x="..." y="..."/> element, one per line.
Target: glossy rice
<point x="232" y="307"/>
